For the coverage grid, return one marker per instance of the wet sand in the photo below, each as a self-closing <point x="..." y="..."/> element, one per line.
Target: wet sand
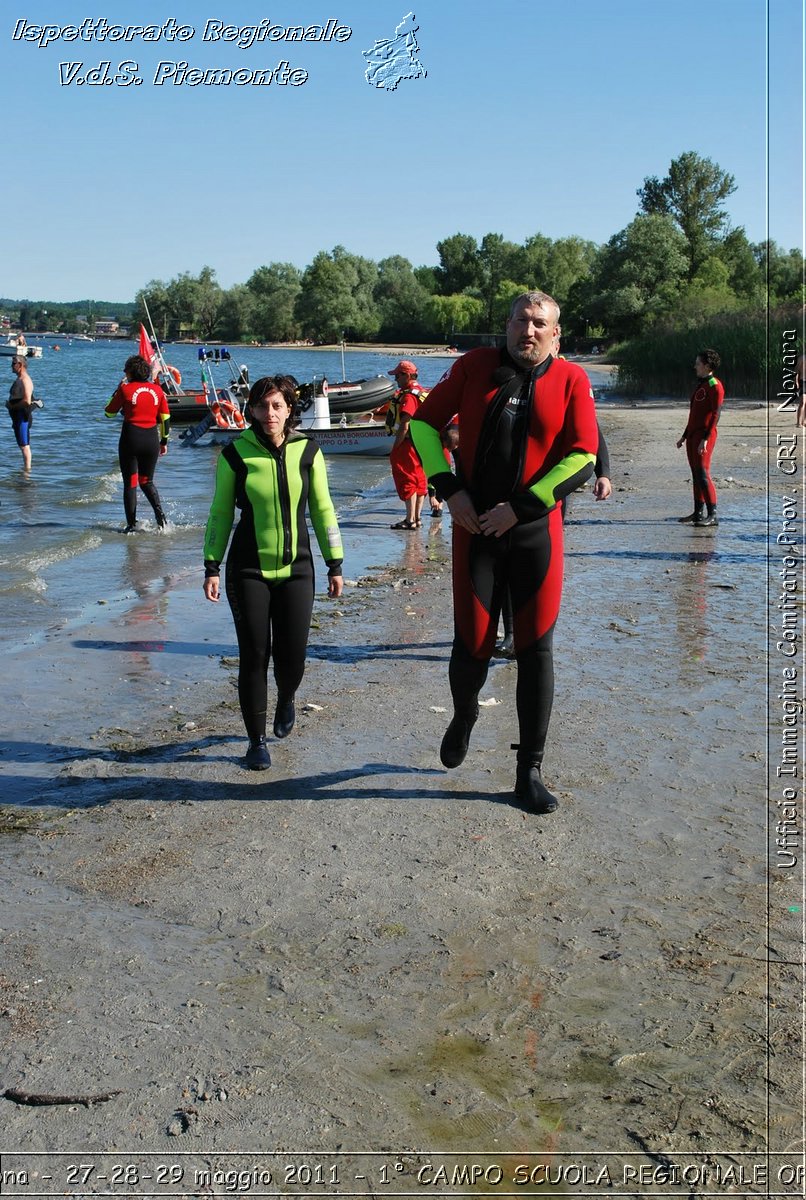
<point x="362" y="950"/>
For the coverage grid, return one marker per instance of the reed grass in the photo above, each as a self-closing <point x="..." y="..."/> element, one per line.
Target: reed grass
<point x="660" y="362"/>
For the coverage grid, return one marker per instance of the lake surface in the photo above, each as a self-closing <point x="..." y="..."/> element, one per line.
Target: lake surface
<point x="61" y="542"/>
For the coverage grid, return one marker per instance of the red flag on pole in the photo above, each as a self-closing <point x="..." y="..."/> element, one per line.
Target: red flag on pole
<point x="145" y="349"/>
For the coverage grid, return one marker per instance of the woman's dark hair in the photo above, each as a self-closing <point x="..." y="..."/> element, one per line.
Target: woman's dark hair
<point x="288" y="388"/>
<point x="137" y="369"/>
<point x="709" y="358"/>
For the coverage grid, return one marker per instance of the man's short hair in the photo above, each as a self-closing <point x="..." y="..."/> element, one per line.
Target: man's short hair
<point x="541" y="299"/>
<point x="17" y="359"/>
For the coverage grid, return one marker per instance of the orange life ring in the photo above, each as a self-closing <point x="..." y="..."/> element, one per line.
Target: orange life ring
<point x="220" y="417"/>
<point x="175" y="375"/>
<point x="227" y="414"/>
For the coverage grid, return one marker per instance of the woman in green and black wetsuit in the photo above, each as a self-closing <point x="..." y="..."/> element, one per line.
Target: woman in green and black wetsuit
<point x="271" y="474"/>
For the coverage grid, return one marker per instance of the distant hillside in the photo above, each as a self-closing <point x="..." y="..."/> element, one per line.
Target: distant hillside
<point x="120" y="307"/>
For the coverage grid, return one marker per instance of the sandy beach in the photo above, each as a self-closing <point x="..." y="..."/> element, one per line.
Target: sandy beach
<point x="361" y="951"/>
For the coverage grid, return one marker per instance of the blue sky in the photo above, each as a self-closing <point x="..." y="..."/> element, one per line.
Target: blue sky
<point x="536" y="117"/>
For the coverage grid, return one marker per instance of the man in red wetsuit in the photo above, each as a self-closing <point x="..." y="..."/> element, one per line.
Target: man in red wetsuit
<point x="407" y="470"/>
<point x="699" y="437"/>
<point x="528" y="437"/>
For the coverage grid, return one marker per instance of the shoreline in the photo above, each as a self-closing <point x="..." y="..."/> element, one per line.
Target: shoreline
<point x="360" y="948"/>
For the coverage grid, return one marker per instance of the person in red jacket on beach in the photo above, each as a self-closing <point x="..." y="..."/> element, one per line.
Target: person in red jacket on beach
<point x="527" y="437"/>
<point x="407" y="470"/>
<point x="699" y="437"/>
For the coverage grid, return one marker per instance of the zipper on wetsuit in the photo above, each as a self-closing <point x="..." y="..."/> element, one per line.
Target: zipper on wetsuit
<point x="285" y="504"/>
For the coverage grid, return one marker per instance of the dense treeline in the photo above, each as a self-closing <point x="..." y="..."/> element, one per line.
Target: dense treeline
<point x="677" y="264"/>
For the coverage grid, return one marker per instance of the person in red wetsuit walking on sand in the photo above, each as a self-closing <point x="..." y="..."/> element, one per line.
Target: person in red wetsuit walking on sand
<point x="699" y="437"/>
<point x="527" y="438"/>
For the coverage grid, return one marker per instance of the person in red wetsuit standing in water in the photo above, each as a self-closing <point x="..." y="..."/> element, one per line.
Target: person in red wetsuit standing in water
<point x="699" y="437"/>
<point x="407" y="470"/>
<point x="143" y="437"/>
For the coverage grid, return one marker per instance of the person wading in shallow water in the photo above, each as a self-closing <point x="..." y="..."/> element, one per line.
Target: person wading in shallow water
<point x="699" y="438"/>
<point x="143" y="438"/>
<point x="271" y="474"/>
<point x="20" y="408"/>
<point x="528" y="437"/>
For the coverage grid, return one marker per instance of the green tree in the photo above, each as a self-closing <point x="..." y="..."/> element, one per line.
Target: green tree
<point x="180" y="293"/>
<point x="449" y="315"/>
<point x="553" y="267"/>
<point x="638" y="274"/>
<point x="337" y="297"/>
<point x="427" y="277"/>
<point x="459" y="268"/>
<point x="569" y="259"/>
<point x="185" y="306"/>
<point x="69" y="323"/>
<point x="532" y="262"/>
<point x="496" y="259"/>
<point x="401" y="299"/>
<point x="236" y="314"/>
<point x="692" y="194"/>
<point x="508" y="289"/>
<point x="155" y="296"/>
<point x="744" y="276"/>
<point x="206" y="303"/>
<point x="706" y="296"/>
<point x="275" y="289"/>
<point x="782" y="272"/>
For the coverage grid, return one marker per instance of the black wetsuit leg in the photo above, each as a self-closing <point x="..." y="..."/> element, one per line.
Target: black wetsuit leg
<point x="467" y="676"/>
<point x="535" y="694"/>
<point x="526" y="564"/>
<point x="272" y="620"/>
<point x="292" y="605"/>
<point x="506" y="615"/>
<point x="535" y="566"/>
<point x="138" y="451"/>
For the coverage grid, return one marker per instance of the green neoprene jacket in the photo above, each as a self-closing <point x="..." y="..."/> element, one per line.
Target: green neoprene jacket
<point x="272" y="488"/>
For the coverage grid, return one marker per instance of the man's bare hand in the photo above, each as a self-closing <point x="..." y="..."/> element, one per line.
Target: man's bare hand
<point x="498" y="521"/>
<point x="463" y="512"/>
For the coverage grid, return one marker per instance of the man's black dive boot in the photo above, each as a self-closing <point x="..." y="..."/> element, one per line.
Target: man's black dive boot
<point x="285" y="715"/>
<point x="457" y="737"/>
<point x="693" y="518"/>
<point x="530" y="790"/>
<point x="709" y="519"/>
<point x="257" y="756"/>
